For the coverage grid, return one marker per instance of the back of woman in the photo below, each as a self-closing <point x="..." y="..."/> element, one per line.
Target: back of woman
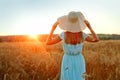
<point x="73" y="63"/>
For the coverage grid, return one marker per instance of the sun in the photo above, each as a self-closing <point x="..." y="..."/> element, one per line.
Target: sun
<point x="33" y="37"/>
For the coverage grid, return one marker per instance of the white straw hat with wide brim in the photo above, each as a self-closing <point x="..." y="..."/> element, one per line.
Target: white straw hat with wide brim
<point x="65" y="24"/>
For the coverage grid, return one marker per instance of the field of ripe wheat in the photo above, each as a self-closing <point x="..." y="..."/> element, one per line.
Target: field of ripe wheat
<point x="37" y="61"/>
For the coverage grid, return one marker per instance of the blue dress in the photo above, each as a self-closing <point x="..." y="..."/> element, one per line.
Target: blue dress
<point x="73" y="63"/>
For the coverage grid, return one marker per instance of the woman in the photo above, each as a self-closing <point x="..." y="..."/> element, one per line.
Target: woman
<point x="73" y="64"/>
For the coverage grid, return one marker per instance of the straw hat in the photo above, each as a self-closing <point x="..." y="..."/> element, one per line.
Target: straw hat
<point x="73" y="22"/>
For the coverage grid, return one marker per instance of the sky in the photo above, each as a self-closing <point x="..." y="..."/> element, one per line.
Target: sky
<point x="37" y="16"/>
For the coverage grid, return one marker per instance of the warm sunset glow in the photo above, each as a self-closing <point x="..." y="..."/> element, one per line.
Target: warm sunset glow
<point x="33" y="37"/>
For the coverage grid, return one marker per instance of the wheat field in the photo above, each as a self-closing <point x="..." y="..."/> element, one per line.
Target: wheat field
<point x="37" y="61"/>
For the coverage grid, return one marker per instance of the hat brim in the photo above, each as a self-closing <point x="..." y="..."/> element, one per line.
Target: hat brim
<point x="66" y="25"/>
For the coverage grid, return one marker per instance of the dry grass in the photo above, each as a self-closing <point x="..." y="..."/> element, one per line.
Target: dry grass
<point x="36" y="61"/>
<point x="103" y="60"/>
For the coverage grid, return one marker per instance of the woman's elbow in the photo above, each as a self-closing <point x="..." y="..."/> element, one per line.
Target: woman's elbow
<point x="50" y="43"/>
<point x="96" y="40"/>
<point x="47" y="43"/>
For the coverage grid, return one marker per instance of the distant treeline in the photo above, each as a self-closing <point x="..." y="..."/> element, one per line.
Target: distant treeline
<point x="109" y="36"/>
<point x="42" y="38"/>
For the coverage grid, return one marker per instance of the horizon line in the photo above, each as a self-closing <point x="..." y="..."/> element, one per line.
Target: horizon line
<point x="53" y="34"/>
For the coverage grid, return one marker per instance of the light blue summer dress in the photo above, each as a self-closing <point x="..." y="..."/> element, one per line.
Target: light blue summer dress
<point x="73" y="63"/>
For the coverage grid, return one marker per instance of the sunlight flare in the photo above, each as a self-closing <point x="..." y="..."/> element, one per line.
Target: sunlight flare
<point x="33" y="37"/>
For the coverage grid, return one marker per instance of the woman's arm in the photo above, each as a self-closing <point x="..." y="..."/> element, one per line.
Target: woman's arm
<point x="93" y="37"/>
<point x="57" y="39"/>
